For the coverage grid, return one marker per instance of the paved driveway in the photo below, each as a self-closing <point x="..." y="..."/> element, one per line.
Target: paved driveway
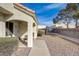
<point x="49" y="45"/>
<point x="60" y="47"/>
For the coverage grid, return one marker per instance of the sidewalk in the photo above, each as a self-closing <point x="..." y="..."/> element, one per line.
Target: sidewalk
<point x="39" y="48"/>
<point x="74" y="40"/>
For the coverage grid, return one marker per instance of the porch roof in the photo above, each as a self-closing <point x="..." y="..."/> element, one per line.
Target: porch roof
<point x="5" y="13"/>
<point x="26" y="10"/>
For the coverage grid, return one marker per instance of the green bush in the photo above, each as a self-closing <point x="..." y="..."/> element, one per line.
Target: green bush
<point x="8" y="46"/>
<point x="40" y="33"/>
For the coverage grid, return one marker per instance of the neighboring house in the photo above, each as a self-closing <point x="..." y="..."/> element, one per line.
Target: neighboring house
<point x="18" y="21"/>
<point x="64" y="25"/>
<point x="60" y="25"/>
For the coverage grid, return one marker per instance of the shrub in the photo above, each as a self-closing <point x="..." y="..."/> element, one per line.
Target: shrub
<point x="40" y="33"/>
<point x="8" y="46"/>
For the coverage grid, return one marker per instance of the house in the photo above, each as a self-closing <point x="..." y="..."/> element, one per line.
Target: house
<point x="63" y="25"/>
<point x="18" y="21"/>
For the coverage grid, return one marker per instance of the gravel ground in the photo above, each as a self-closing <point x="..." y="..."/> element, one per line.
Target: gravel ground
<point x="60" y="47"/>
<point x="8" y="46"/>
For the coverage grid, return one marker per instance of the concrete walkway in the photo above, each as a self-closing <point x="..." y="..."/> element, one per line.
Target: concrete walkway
<point x="39" y="49"/>
<point x="22" y="50"/>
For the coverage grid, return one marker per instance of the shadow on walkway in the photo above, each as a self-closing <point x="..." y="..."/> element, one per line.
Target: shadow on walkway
<point x="23" y="41"/>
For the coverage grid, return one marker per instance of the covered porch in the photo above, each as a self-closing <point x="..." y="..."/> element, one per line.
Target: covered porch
<point x="14" y="25"/>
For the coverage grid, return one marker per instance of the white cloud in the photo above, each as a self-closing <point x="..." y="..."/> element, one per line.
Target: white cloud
<point x="49" y="7"/>
<point x="48" y="20"/>
<point x="48" y="23"/>
<point x="52" y="6"/>
<point x="41" y="26"/>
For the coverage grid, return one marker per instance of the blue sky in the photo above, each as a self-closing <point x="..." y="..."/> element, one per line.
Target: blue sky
<point x="45" y="12"/>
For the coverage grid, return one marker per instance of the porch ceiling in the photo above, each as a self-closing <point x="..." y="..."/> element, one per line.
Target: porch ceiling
<point x="16" y="20"/>
<point x="5" y="12"/>
<point x="19" y="17"/>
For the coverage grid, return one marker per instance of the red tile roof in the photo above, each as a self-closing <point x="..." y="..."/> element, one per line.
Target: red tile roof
<point x="25" y="8"/>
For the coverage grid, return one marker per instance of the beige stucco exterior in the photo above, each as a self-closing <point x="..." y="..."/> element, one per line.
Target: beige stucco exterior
<point x="22" y="22"/>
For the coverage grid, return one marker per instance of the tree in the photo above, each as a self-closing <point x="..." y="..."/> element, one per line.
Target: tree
<point x="73" y="8"/>
<point x="67" y="13"/>
<point x="55" y="20"/>
<point x="76" y="17"/>
<point x="65" y="16"/>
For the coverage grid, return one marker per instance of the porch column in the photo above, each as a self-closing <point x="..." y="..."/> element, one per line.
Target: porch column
<point x="2" y="29"/>
<point x="30" y="33"/>
<point x="35" y="32"/>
